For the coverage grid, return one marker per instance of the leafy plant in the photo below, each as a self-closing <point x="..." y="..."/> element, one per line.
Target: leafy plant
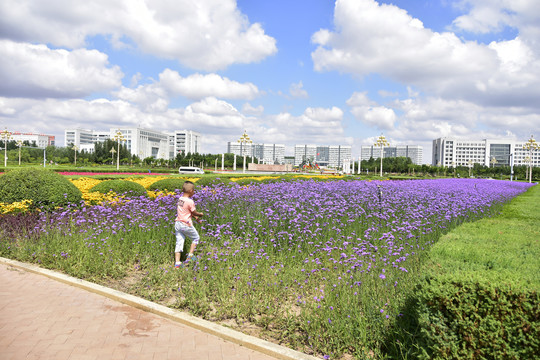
<point x="128" y="188"/>
<point x="45" y="188"/>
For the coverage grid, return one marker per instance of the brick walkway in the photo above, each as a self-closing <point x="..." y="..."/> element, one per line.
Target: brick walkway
<point x="45" y="319"/>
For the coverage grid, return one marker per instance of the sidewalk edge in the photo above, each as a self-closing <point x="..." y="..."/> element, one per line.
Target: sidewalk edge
<point x="248" y="341"/>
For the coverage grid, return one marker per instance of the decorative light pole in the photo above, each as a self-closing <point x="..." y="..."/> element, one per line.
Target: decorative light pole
<point x="531" y="145"/>
<point x="118" y="137"/>
<point x="112" y="151"/>
<point x="20" y="144"/>
<point x="244" y="139"/>
<point x="6" y="135"/>
<point x="493" y="161"/>
<point x="75" y="148"/>
<point x="382" y="142"/>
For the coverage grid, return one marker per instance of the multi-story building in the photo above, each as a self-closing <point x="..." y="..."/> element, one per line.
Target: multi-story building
<point x="414" y="152"/>
<point x="266" y="153"/>
<point x="450" y="152"/>
<point x="326" y="156"/>
<point x="41" y="140"/>
<point x="140" y="142"/>
<point x="187" y="141"/>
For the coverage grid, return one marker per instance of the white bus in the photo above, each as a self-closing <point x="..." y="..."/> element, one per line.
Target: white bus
<point x="190" y="170"/>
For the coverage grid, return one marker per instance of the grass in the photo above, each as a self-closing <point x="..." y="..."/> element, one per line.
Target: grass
<point x="505" y="248"/>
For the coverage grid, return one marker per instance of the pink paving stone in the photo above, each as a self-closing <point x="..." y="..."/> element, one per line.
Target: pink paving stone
<point x="45" y="319"/>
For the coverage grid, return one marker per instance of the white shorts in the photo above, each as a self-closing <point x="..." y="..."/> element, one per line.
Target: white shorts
<point x="182" y="230"/>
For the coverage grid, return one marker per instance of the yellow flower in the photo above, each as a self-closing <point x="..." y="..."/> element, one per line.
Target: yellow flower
<point x="16" y="207"/>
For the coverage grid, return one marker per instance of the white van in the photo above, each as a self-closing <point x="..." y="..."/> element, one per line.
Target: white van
<point x="190" y="170"/>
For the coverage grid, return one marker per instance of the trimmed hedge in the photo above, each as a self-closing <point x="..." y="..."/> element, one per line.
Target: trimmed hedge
<point x="479" y="297"/>
<point x="128" y="188"/>
<point x="45" y="188"/>
<point x="167" y="185"/>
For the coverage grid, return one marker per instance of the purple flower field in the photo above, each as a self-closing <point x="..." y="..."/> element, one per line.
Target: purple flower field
<point x="323" y="267"/>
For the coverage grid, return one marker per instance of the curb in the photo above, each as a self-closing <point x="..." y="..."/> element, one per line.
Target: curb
<point x="248" y="341"/>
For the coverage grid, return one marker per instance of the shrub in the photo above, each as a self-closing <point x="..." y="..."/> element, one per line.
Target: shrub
<point x="128" y="188"/>
<point x="212" y="181"/>
<point x="167" y="185"/>
<point x="45" y="188"/>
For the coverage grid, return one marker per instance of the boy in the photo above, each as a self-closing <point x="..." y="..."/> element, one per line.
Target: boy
<point x="183" y="225"/>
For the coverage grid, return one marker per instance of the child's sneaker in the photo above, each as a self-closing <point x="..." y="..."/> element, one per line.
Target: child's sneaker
<point x="177" y="265"/>
<point x="190" y="259"/>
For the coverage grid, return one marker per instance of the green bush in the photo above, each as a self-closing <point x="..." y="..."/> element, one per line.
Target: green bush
<point x="469" y="319"/>
<point x="167" y="185"/>
<point x="129" y="188"/>
<point x="45" y="188"/>
<point x="212" y="181"/>
<point x="479" y="297"/>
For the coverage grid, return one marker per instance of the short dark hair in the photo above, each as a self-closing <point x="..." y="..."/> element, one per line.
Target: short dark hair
<point x="187" y="186"/>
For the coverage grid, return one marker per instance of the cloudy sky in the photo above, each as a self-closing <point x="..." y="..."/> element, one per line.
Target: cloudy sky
<point x="287" y="71"/>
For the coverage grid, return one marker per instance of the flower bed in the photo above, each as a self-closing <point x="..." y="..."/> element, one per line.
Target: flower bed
<point x="323" y="267"/>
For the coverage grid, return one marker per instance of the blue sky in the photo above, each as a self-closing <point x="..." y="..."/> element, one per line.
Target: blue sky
<point x="288" y="72"/>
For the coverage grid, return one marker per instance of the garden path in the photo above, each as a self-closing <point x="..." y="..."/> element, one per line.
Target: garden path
<point x="41" y="318"/>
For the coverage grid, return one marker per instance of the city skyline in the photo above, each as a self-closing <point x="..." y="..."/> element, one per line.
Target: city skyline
<point x="299" y="72"/>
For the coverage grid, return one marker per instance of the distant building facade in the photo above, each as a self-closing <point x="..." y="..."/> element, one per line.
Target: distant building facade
<point x="266" y="153"/>
<point x="140" y="142"/>
<point x="41" y="140"/>
<point x="326" y="156"/>
<point x="187" y="141"/>
<point x="451" y="152"/>
<point x="413" y="152"/>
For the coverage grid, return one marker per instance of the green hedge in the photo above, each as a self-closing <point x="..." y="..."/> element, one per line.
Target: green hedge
<point x="167" y="185"/>
<point x="128" y="188"/>
<point x="45" y="188"/>
<point x="479" y="296"/>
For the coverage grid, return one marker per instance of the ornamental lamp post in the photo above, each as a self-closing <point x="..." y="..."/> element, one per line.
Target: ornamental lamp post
<point x="382" y="142"/>
<point x="6" y="135"/>
<point x="531" y="145"/>
<point x="75" y="148"/>
<point x="20" y="144"/>
<point x="112" y="151"/>
<point x="118" y="137"/>
<point x="244" y="139"/>
<point x="493" y="161"/>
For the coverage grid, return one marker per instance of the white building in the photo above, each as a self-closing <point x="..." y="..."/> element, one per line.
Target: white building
<point x="450" y="152"/>
<point x="266" y="153"/>
<point x="187" y="141"/>
<point x="413" y="152"/>
<point x="326" y="156"/>
<point x="41" y="140"/>
<point x="140" y="142"/>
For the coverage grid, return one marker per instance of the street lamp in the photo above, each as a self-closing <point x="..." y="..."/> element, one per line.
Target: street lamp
<point x="6" y="135"/>
<point x="20" y="144"/>
<point x="244" y="139"/>
<point x="381" y="141"/>
<point x="118" y="137"/>
<point x="75" y="148"/>
<point x="493" y="161"/>
<point x="531" y="145"/>
<point x="112" y="151"/>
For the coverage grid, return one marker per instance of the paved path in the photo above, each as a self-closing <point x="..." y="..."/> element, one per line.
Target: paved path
<point x="41" y="318"/>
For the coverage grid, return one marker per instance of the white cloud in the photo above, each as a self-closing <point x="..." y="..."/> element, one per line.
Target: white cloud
<point x="37" y="71"/>
<point x="247" y="108"/>
<point x="384" y="39"/>
<point x="206" y="34"/>
<point x="366" y="111"/>
<point x="198" y="86"/>
<point x="297" y="91"/>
